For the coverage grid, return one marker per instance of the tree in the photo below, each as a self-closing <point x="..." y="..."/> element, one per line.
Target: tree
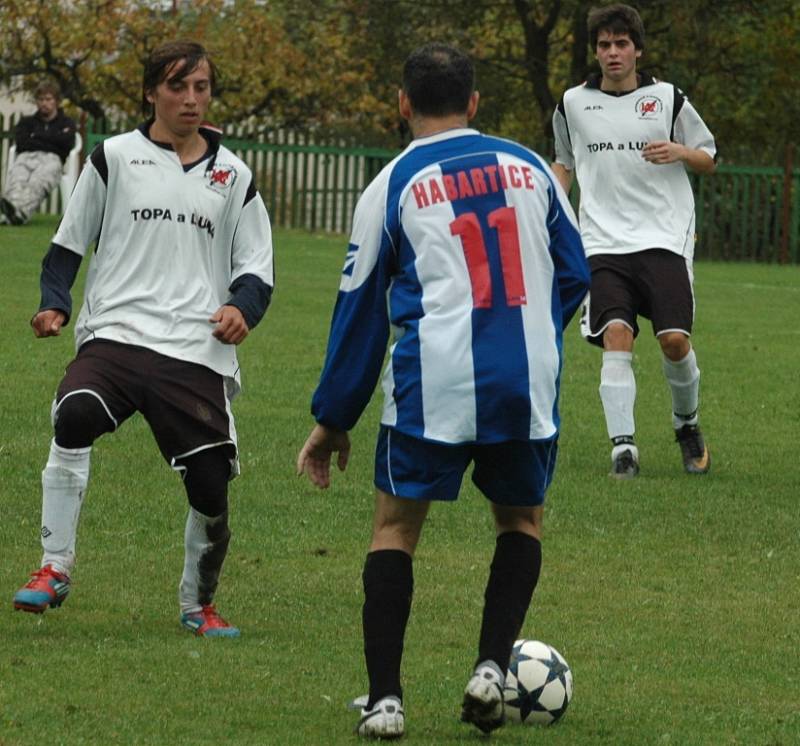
<point x="94" y="49"/>
<point x="336" y="64"/>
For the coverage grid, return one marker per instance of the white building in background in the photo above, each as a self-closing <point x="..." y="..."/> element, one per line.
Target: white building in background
<point x="15" y="103"/>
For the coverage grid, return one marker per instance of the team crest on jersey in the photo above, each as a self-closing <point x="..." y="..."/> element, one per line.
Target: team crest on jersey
<point x="649" y="107"/>
<point x="221" y="177"/>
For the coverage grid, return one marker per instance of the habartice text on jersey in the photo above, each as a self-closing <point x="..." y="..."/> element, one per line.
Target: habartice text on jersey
<point x="471" y="183"/>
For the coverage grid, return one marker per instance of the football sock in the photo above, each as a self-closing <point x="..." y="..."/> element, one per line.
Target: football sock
<point x="618" y="393"/>
<point x="388" y="587"/>
<point x="64" y="482"/>
<point x="512" y="579"/>
<point x="683" y="377"/>
<point x="206" y="542"/>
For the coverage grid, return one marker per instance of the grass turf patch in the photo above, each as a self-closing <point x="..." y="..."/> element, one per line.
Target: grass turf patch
<point x="674" y="598"/>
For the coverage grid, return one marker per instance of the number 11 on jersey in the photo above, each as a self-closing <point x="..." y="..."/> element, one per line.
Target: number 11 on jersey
<point x="468" y="229"/>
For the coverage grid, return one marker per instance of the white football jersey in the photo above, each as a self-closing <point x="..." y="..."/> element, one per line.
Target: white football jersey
<point x="169" y="243"/>
<point x="626" y="203"/>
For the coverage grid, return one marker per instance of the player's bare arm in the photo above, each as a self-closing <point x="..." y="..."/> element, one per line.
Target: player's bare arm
<point x="48" y="323"/>
<point x="314" y="458"/>
<point x="661" y="152"/>
<point x="564" y="176"/>
<point x="231" y="328"/>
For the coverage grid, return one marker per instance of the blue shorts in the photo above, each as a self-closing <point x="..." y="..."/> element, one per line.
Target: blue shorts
<point x="513" y="473"/>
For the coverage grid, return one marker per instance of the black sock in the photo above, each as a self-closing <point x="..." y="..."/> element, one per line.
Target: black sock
<point x="388" y="586"/>
<point x="512" y="580"/>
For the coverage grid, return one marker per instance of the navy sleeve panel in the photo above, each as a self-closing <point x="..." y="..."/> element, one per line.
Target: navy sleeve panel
<point x="678" y="99"/>
<point x="356" y="348"/>
<point x="59" y="269"/>
<point x="251" y="295"/>
<point x="98" y="158"/>
<point x="251" y="192"/>
<point x="562" y="110"/>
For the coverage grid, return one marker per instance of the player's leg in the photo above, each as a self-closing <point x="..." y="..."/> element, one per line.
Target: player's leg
<point x="188" y="409"/>
<point x="32" y="177"/>
<point x="408" y="475"/>
<point x="618" y="395"/>
<point x="611" y="323"/>
<point x="206" y="539"/>
<point x="672" y="315"/>
<point x="85" y="407"/>
<point x="388" y="579"/>
<point x="513" y="577"/>
<point x="514" y="476"/>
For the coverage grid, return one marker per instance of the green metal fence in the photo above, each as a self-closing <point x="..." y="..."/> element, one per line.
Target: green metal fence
<point x="743" y="213"/>
<point x="748" y="213"/>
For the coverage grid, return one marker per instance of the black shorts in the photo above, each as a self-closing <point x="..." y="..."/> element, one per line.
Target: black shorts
<point x="185" y="404"/>
<point x="656" y="284"/>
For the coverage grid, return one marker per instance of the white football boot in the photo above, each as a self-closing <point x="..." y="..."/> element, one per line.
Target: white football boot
<point x="483" y="698"/>
<point x="385" y="720"/>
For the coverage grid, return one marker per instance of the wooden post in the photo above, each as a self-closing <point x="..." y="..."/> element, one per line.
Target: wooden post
<point x="786" y="217"/>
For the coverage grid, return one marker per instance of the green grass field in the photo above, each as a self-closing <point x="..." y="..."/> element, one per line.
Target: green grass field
<point x="675" y="599"/>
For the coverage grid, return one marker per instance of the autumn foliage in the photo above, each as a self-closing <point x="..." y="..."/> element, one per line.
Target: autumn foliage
<point x="334" y="65"/>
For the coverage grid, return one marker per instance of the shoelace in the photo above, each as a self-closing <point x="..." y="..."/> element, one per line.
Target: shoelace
<point x="39" y="574"/>
<point x="212" y="617"/>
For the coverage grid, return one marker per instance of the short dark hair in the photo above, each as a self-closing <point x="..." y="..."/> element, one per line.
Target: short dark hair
<point x="48" y="87"/>
<point x="616" y="19"/>
<point x="438" y="80"/>
<point x="162" y="58"/>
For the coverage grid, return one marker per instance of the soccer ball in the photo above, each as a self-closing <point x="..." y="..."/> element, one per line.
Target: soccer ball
<point x="538" y="685"/>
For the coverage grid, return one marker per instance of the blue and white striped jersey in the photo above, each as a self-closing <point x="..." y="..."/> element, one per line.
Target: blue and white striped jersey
<point x="467" y="248"/>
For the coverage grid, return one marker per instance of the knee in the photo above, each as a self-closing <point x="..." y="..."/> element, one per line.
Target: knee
<point x="618" y="337"/>
<point x="523" y="520"/>
<point x="395" y="535"/>
<point x="205" y="477"/>
<point x="674" y="345"/>
<point x="79" y="419"/>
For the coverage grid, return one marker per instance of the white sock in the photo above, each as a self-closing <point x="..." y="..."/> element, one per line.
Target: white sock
<point x="618" y="393"/>
<point x="616" y="450"/>
<point x="64" y="482"/>
<point x="205" y="544"/>
<point x="683" y="378"/>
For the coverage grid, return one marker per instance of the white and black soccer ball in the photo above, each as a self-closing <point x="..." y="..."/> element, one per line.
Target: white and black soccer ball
<point x="538" y="685"/>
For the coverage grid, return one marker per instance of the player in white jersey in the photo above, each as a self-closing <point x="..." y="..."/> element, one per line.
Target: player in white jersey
<point x="629" y="139"/>
<point x="465" y="246"/>
<point x="181" y="272"/>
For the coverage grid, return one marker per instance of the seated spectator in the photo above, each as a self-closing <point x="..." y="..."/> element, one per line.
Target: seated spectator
<point x="43" y="141"/>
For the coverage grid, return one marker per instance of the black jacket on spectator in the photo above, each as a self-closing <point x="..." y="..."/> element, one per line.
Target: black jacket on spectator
<point x="56" y="136"/>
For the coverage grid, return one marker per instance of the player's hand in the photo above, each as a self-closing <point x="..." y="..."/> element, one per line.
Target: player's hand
<point x="314" y="458"/>
<point x="48" y="323"/>
<point x="661" y="152"/>
<point x="231" y="328"/>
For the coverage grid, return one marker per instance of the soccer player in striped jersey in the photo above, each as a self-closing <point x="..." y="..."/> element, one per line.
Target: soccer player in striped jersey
<point x="466" y="249"/>
<point x="629" y="139"/>
<point x="181" y="272"/>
